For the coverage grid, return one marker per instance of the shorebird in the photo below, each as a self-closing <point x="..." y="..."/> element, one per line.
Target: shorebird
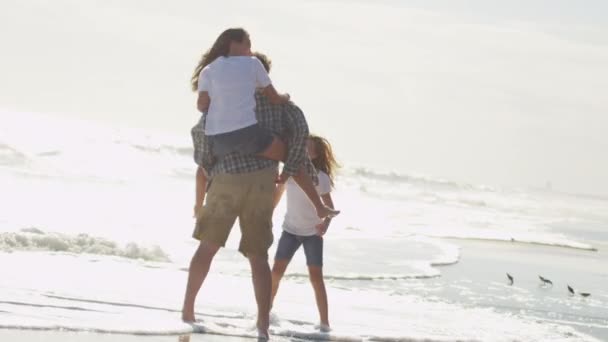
<point x="571" y="290"/>
<point x="584" y="294"/>
<point x="545" y="280"/>
<point x="510" y="279"/>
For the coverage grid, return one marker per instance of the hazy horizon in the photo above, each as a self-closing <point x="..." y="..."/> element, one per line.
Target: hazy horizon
<point x="479" y="92"/>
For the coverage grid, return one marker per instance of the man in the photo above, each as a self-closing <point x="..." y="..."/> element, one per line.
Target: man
<point x="243" y="187"/>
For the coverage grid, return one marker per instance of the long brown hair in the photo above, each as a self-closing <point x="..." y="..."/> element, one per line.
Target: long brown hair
<point x="325" y="160"/>
<point x="221" y="47"/>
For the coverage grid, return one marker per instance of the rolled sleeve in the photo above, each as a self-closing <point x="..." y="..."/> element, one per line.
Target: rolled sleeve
<point x="297" y="136"/>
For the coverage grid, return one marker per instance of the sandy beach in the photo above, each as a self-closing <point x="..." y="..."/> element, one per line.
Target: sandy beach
<point x="471" y="135"/>
<point x="57" y="336"/>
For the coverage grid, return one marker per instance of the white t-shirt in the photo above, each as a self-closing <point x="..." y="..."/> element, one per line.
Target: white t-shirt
<point x="231" y="83"/>
<point x="301" y="217"/>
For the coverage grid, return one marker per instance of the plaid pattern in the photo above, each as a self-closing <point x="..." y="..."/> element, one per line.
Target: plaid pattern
<point x="286" y="121"/>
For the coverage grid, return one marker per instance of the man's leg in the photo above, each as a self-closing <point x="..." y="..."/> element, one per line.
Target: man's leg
<point x="199" y="267"/>
<point x="256" y="237"/>
<point x="260" y="273"/>
<point x="212" y="230"/>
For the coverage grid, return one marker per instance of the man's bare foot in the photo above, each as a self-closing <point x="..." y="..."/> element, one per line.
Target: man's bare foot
<point x="323" y="327"/>
<point x="263" y="335"/>
<point x="327" y="212"/>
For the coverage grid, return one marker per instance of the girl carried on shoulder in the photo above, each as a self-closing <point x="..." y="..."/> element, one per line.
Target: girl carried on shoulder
<point x="226" y="79"/>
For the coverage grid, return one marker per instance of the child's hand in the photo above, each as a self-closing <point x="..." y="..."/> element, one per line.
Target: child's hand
<point x="282" y="178"/>
<point x="322" y="227"/>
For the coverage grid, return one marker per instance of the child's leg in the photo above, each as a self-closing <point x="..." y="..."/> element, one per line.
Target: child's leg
<point x="278" y="151"/>
<point x="316" y="279"/>
<point x="201" y="189"/>
<point x="313" y="248"/>
<point x="278" y="270"/>
<point x="287" y="247"/>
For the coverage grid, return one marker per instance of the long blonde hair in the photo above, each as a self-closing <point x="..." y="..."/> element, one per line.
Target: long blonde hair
<point x="325" y="160"/>
<point x="221" y="47"/>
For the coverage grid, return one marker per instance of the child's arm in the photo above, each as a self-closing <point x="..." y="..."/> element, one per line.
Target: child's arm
<point x="201" y="189"/>
<point x="263" y="81"/>
<point x="203" y="101"/>
<point x="275" y="98"/>
<point x="278" y="193"/>
<point x="324" y="226"/>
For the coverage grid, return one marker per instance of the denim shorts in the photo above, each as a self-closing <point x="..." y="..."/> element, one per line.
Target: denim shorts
<point x="290" y="243"/>
<point x="252" y="139"/>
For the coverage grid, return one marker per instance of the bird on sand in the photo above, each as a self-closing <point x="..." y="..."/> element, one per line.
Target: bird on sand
<point x="545" y="280"/>
<point x="585" y="294"/>
<point x="571" y="290"/>
<point x="510" y="279"/>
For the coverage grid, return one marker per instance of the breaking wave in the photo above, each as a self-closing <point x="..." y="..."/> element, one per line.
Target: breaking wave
<point x="34" y="239"/>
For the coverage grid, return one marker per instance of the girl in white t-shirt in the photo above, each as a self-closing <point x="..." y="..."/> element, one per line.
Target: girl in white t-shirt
<point x="303" y="228"/>
<point x="226" y="79"/>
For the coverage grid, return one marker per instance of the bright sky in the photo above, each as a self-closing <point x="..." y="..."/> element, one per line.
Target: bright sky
<point x="496" y="92"/>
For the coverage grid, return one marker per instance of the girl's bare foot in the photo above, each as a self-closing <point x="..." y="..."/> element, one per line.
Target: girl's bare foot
<point x="327" y="212"/>
<point x="262" y="327"/>
<point x="188" y="316"/>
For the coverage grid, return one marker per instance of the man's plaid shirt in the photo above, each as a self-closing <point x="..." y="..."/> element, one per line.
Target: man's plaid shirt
<point x="287" y="121"/>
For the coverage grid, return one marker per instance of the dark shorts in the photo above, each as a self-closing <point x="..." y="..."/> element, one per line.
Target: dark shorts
<point x="289" y="244"/>
<point x="252" y="139"/>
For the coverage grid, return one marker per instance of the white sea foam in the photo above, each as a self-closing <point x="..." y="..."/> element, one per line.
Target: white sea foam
<point x="145" y="302"/>
<point x="33" y="239"/>
<point x="390" y="234"/>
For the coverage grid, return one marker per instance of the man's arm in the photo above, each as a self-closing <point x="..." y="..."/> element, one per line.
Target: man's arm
<point x="296" y="138"/>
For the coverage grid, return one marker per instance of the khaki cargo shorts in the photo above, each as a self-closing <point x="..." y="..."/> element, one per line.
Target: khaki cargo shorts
<point x="248" y="197"/>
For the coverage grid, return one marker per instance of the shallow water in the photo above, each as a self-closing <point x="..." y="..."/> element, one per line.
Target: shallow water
<point x="88" y="247"/>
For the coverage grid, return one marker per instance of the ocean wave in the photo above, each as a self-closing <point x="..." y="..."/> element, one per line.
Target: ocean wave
<point x="10" y="156"/>
<point x="397" y="177"/>
<point x="34" y="239"/>
<point x="180" y="150"/>
<point x="548" y="242"/>
<point x="49" y="153"/>
<point x="355" y="276"/>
